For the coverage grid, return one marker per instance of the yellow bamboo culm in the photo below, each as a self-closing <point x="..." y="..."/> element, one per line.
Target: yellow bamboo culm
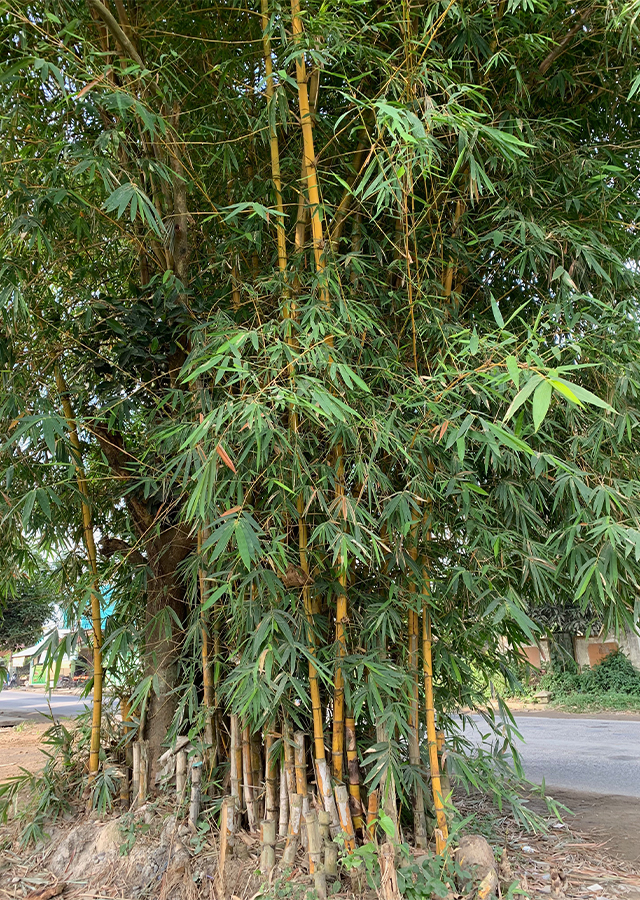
<point x="337" y="750"/>
<point x="314" y="687"/>
<point x="419" y="817"/>
<point x="322" y="770"/>
<point x="273" y="141"/>
<point x="90" y="546"/>
<point x="442" y="832"/>
<point x="309" y="164"/>
<point x="309" y="157"/>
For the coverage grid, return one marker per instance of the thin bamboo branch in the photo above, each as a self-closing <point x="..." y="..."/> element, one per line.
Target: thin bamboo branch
<point x="90" y="546"/>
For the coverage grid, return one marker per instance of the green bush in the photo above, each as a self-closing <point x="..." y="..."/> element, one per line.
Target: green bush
<point x="614" y="675"/>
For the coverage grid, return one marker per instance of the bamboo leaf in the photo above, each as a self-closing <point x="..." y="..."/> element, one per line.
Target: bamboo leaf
<point x="541" y="401"/>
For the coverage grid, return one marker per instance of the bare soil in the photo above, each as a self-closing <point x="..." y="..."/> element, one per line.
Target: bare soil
<point x="611" y="820"/>
<point x="20" y="748"/>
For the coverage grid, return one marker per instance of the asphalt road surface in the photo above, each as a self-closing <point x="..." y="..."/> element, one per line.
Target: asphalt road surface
<point x="16" y="706"/>
<point x="597" y="755"/>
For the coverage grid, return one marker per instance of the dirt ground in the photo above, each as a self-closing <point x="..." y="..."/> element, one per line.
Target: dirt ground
<point x="611" y="820"/>
<point x="20" y="748"/>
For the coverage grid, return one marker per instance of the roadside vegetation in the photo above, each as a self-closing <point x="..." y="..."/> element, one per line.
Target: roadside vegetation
<point x="613" y="684"/>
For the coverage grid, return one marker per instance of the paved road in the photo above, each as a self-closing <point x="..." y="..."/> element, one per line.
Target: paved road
<point x="21" y="705"/>
<point x="598" y="755"/>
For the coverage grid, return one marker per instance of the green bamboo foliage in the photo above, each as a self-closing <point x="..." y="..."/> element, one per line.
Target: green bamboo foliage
<point x="308" y="273"/>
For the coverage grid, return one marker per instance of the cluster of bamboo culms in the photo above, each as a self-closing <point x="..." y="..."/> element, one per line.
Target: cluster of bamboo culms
<point x="303" y="789"/>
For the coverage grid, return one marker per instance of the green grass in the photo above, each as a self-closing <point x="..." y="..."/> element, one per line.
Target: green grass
<point x="609" y="700"/>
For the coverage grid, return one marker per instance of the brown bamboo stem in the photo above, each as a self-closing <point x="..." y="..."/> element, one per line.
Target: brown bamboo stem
<point x="256" y="770"/>
<point x="289" y="763"/>
<point x="90" y="546"/>
<point x="271" y="779"/>
<point x="353" y="769"/>
<point x="235" y="759"/>
<point x="301" y="763"/>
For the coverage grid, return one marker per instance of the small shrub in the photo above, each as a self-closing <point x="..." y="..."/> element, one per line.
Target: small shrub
<point x="615" y="679"/>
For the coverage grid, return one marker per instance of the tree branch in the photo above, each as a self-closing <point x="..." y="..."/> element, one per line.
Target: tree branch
<point x="109" y="546"/>
<point x="559" y="49"/>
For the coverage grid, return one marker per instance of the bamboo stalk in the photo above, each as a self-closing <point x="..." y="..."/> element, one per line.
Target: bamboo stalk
<point x="324" y="824"/>
<point x="301" y="763"/>
<point x="451" y="267"/>
<point x="419" y="817"/>
<point x="247" y="779"/>
<point x="442" y="831"/>
<point x="306" y="124"/>
<point x="342" y="802"/>
<point x="196" y="793"/>
<point x="226" y="829"/>
<point x="135" y="772"/>
<point x="256" y="770"/>
<point x="331" y="859"/>
<point x="315" y="844"/>
<point x="207" y="676"/>
<point x="143" y="782"/>
<point x="273" y="143"/>
<point x="353" y="769"/>
<point x="283" y="817"/>
<point x="337" y="747"/>
<point x="289" y="764"/>
<point x="235" y="759"/>
<point x="372" y="815"/>
<point x="90" y="546"/>
<point x="181" y="773"/>
<point x="293" y="835"/>
<point x="268" y="840"/>
<point x="316" y="867"/>
<point x="270" y="780"/>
